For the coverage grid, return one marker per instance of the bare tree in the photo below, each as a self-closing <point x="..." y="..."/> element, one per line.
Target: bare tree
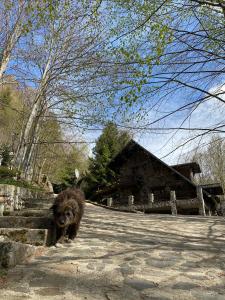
<point x="17" y="19"/>
<point x="211" y="160"/>
<point x="152" y="50"/>
<point x="67" y="57"/>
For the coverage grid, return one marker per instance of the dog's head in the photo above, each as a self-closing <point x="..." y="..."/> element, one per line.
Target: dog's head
<point x="65" y="213"/>
<point x="68" y="207"/>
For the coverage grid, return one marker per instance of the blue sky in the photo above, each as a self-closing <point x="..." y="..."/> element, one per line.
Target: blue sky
<point x="162" y="142"/>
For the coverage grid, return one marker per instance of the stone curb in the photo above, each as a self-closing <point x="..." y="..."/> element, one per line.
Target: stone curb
<point x="30" y="213"/>
<point x="122" y="209"/>
<point x="35" y="237"/>
<point x="26" y="222"/>
<point x="13" y="253"/>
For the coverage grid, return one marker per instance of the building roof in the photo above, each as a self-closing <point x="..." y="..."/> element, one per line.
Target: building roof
<point x="192" y="165"/>
<point x="127" y="151"/>
<point x="213" y="188"/>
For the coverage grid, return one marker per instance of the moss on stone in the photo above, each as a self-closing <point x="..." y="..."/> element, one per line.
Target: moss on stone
<point x="19" y="236"/>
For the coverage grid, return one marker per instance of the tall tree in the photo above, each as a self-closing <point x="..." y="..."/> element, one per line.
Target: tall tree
<point x="110" y="142"/>
<point x="17" y="19"/>
<point x="115" y="54"/>
<point x="68" y="70"/>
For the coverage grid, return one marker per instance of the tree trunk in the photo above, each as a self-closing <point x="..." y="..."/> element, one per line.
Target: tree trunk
<point x="25" y="147"/>
<point x="30" y="152"/>
<point x="9" y="45"/>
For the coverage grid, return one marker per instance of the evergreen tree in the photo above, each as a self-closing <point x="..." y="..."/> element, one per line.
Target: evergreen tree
<point x="5" y="154"/>
<point x="107" y="146"/>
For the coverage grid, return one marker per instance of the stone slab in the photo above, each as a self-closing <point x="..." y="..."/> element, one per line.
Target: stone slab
<point x="38" y="205"/>
<point x="30" y="213"/>
<point x="13" y="253"/>
<point x="36" y="237"/>
<point x="25" y="222"/>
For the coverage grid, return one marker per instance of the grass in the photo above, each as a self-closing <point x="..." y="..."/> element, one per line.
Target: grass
<point x="3" y="272"/>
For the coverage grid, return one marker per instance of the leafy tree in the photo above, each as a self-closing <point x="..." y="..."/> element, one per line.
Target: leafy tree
<point x="107" y="146"/>
<point x="75" y="157"/>
<point x="13" y="112"/>
<point x="5" y="153"/>
<point x="54" y="155"/>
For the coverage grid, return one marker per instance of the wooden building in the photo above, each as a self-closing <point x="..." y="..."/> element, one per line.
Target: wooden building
<point x="156" y="187"/>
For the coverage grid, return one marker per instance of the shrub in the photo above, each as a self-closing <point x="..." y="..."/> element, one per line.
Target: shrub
<point x="6" y="157"/>
<point x="7" y="173"/>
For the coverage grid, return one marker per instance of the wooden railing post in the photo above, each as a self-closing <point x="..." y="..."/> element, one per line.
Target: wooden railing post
<point x="173" y="203"/>
<point x="1" y="207"/>
<point x="202" y="202"/>
<point x="130" y="201"/>
<point x="150" y="198"/>
<point x="109" y="201"/>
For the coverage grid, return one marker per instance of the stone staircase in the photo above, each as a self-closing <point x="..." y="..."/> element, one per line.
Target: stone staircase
<point x="25" y="232"/>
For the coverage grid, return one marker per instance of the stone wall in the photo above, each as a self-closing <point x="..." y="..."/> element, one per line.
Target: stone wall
<point x="10" y="197"/>
<point x="13" y="197"/>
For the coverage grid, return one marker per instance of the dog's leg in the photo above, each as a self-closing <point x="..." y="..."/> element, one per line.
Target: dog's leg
<point x="72" y="231"/>
<point x="60" y="234"/>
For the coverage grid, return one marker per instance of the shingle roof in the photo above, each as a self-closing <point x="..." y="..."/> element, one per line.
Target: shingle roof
<point x="122" y="156"/>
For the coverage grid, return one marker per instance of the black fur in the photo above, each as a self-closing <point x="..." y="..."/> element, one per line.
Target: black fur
<point x="68" y="209"/>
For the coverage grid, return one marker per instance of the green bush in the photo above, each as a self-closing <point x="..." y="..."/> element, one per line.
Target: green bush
<point x="5" y="153"/>
<point x="7" y="173"/>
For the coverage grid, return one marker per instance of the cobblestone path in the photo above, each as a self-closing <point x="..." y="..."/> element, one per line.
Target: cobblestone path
<point x="128" y="256"/>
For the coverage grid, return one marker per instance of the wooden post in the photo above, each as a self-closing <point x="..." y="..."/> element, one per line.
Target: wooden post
<point x="130" y="201"/>
<point x="173" y="203"/>
<point x="1" y="207"/>
<point x="109" y="201"/>
<point x="150" y="198"/>
<point x="202" y="202"/>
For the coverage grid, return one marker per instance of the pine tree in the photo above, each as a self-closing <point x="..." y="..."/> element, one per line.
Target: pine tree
<point x="107" y="146"/>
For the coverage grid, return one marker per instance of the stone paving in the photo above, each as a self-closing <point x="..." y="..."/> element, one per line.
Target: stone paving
<point x="128" y="256"/>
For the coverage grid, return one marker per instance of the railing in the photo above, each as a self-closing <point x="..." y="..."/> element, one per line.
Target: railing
<point x="173" y="204"/>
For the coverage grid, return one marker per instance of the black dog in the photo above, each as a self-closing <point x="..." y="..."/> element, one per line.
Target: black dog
<point x="68" y="209"/>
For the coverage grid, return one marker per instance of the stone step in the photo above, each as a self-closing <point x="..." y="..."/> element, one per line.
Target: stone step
<point x="26" y="222"/>
<point x="36" y="237"/>
<point x="37" y="205"/>
<point x="31" y="200"/>
<point x="13" y="253"/>
<point x="30" y="213"/>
